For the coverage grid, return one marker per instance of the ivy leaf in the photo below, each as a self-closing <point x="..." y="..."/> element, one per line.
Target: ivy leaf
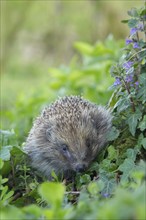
<point x="113" y="134"/>
<point x="109" y="183"/>
<point x="5" y="152"/>
<point x="8" y="138"/>
<point x="142" y="124"/>
<point x="132" y="122"/>
<point x="143" y="143"/>
<point x="139" y="142"/>
<point x="112" y="153"/>
<point x="95" y="187"/>
<point x="131" y="153"/>
<point x="85" y="179"/>
<point x="127" y="167"/>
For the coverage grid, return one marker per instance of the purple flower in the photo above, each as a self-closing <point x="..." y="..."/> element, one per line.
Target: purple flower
<point x="133" y="31"/>
<point x="128" y="41"/>
<point x="106" y="195"/>
<point x="117" y="82"/>
<point x="129" y="78"/>
<point x="135" y="45"/>
<point x="137" y="83"/>
<point x="127" y="65"/>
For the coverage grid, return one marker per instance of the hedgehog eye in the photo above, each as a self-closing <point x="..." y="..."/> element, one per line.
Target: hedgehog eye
<point x="64" y="147"/>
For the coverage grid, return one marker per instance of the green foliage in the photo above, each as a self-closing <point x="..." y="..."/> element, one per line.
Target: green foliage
<point x="83" y="77"/>
<point x="51" y="187"/>
<point x="128" y="100"/>
<point x="5" y="195"/>
<point x="88" y="79"/>
<point x="114" y="185"/>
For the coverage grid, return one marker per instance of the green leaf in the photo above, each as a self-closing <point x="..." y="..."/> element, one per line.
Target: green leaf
<point x="142" y="79"/>
<point x="122" y="104"/>
<point x="143" y="143"/>
<point x="141" y="94"/>
<point x="8" y="138"/>
<point x="85" y="178"/>
<point x="133" y="121"/>
<point x="133" y="12"/>
<point x="142" y="124"/>
<point x="140" y="138"/>
<point x="52" y="192"/>
<point x="127" y="167"/>
<point x="8" y="195"/>
<point x="100" y="49"/>
<point x="5" y="153"/>
<point x="109" y="183"/>
<point x="84" y="48"/>
<point x="113" y="134"/>
<point x="12" y="212"/>
<point x="112" y="153"/>
<point x="131" y="153"/>
<point x="18" y="153"/>
<point x="34" y="210"/>
<point x="49" y="214"/>
<point x="53" y="174"/>
<point x="3" y="180"/>
<point x="143" y="12"/>
<point x="124" y="21"/>
<point x="4" y="191"/>
<point x="1" y="163"/>
<point x="95" y="187"/>
<point x="107" y="166"/>
<point x="132" y="23"/>
<point x="113" y="100"/>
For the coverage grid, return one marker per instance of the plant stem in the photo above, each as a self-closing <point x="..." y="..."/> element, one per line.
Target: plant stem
<point x="144" y="49"/>
<point x="13" y="171"/>
<point x="144" y="30"/>
<point x="131" y="99"/>
<point x="137" y="36"/>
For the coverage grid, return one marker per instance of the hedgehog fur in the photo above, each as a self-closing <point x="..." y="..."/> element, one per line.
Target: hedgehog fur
<point x="67" y="136"/>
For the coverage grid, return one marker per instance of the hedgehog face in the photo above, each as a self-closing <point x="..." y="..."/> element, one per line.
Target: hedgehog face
<point x="76" y="142"/>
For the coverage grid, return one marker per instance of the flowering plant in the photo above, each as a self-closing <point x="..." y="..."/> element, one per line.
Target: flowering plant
<point x="129" y="98"/>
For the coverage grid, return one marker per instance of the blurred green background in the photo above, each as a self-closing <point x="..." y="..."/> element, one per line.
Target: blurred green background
<point x="39" y="35"/>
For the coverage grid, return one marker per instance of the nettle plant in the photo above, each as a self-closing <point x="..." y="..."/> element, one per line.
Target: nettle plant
<point x="129" y="99"/>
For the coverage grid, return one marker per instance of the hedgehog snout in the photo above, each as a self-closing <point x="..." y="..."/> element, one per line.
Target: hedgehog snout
<point x="80" y="168"/>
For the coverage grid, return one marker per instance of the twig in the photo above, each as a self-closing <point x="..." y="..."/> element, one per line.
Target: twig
<point x="73" y="192"/>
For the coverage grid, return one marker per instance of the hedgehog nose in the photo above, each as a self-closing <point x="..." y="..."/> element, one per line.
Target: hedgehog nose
<point x="80" y="168"/>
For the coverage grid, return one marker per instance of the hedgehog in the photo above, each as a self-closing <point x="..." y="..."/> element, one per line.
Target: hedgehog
<point x="67" y="136"/>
